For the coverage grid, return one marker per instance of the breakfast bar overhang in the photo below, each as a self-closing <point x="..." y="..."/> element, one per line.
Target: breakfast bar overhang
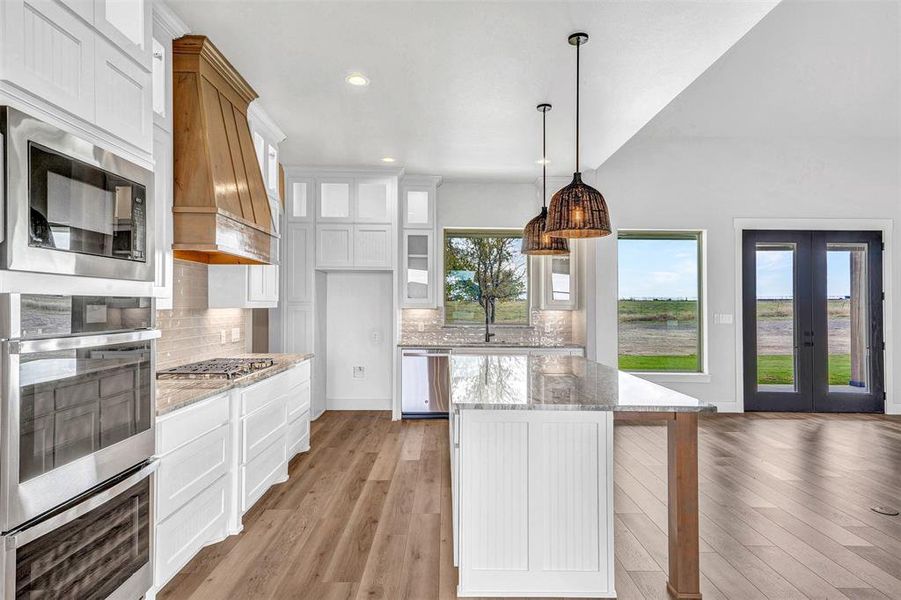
<point x="532" y="474"/>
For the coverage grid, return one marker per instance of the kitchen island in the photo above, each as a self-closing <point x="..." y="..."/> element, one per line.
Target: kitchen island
<point x="532" y="474"/>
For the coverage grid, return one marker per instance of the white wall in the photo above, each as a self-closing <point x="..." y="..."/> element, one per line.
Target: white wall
<point x="462" y="204"/>
<point x="359" y="321"/>
<point x="798" y="120"/>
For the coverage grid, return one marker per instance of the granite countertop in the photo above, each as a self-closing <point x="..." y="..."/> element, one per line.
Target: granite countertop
<point x="172" y="394"/>
<point x="517" y="382"/>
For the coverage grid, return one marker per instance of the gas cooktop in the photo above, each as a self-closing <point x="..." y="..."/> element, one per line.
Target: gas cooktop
<point x="217" y="368"/>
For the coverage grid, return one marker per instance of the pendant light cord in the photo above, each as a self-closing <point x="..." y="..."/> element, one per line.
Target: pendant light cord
<point x="578" y="49"/>
<point x="544" y="158"/>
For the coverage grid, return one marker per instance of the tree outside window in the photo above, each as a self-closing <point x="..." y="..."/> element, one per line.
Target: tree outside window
<point x="485" y="275"/>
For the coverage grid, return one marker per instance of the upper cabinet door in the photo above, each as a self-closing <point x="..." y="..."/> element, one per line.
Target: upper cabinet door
<point x="299" y="204"/>
<point x="373" y="247"/>
<point x="560" y="282"/>
<point x="127" y="23"/>
<point x="124" y="97"/>
<point x="49" y="51"/>
<point x="335" y="202"/>
<point x="418" y="206"/>
<point x="334" y="246"/>
<point x="375" y="201"/>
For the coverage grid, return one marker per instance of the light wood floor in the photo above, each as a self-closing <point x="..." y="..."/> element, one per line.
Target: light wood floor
<point x="784" y="501"/>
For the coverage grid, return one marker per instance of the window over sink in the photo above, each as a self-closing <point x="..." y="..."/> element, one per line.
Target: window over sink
<point x="485" y="273"/>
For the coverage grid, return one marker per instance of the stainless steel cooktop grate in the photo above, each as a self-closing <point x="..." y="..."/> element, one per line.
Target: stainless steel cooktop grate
<point x="217" y="368"/>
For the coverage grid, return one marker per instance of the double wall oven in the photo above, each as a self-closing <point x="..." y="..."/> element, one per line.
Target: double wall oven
<point x="72" y="208"/>
<point x="76" y="445"/>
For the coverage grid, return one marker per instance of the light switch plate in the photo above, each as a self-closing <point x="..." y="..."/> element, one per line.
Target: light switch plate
<point x="722" y="319"/>
<point x="223" y="337"/>
<point x="359" y="372"/>
<point x="236" y="334"/>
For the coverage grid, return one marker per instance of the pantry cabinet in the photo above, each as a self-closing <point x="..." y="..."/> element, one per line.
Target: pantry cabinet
<point x="243" y="286"/>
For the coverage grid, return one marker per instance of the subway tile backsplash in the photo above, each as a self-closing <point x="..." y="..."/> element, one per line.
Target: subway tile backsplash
<point x="192" y="331"/>
<point x="426" y="327"/>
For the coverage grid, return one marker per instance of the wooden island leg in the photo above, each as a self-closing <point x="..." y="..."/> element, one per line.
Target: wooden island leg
<point x="682" y="469"/>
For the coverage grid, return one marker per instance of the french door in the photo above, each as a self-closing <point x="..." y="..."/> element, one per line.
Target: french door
<point x="812" y="321"/>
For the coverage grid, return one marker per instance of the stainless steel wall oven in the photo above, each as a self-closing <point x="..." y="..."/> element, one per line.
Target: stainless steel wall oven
<point x="72" y="208"/>
<point x="78" y="397"/>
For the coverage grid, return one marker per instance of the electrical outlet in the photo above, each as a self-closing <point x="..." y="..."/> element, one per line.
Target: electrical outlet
<point x="420" y="327"/>
<point x="236" y="334"/>
<point x="359" y="372"/>
<point x="223" y="337"/>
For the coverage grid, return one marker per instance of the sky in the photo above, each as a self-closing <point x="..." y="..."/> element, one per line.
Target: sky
<point x="669" y="269"/>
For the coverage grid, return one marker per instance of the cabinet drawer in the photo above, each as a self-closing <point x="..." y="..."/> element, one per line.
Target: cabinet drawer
<point x="300" y="373"/>
<point x="259" y="394"/>
<point x="260" y="473"/>
<point x="298" y="399"/>
<point x="185" y="472"/>
<point x="261" y="428"/>
<point x="298" y="430"/>
<point x="189" y="423"/>
<point x="198" y="523"/>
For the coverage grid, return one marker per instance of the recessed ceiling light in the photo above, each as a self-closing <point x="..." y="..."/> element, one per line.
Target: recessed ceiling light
<point x="357" y="79"/>
<point x="388" y="159"/>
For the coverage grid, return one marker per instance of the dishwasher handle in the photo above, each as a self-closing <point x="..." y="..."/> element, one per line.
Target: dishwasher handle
<point x="426" y="353"/>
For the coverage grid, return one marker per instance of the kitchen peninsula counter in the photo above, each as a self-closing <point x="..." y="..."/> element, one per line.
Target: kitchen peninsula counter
<point x="532" y="474"/>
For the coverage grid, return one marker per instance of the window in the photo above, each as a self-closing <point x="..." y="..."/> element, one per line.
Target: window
<point x="485" y="273"/>
<point x="659" y="304"/>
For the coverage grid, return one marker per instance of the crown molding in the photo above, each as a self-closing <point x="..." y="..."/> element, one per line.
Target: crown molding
<point x="261" y="121"/>
<point x="422" y="180"/>
<point x="166" y="19"/>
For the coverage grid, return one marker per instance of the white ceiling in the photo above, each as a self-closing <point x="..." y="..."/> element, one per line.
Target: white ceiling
<point x="454" y="84"/>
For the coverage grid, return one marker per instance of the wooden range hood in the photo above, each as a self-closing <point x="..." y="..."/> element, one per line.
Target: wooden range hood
<point x="220" y="210"/>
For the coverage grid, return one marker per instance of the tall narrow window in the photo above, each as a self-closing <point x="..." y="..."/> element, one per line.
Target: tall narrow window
<point x="485" y="274"/>
<point x="659" y="304"/>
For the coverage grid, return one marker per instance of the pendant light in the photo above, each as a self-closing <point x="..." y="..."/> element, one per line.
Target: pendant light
<point x="578" y="210"/>
<point x="535" y="240"/>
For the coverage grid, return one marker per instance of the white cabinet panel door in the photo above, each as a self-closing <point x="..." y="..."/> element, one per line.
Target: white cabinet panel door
<point x="418" y="269"/>
<point x="262" y="283"/>
<point x="49" y="52"/>
<point x="374" y="202"/>
<point x="335" y="201"/>
<point x="334" y="246"/>
<point x="298" y="329"/>
<point x="418" y="206"/>
<point x="162" y="209"/>
<point x="124" y="96"/>
<point x="127" y="23"/>
<point x="299" y="262"/>
<point x="372" y="246"/>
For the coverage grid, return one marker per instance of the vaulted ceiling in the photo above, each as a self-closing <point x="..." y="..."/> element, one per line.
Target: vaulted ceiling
<point x="453" y="85"/>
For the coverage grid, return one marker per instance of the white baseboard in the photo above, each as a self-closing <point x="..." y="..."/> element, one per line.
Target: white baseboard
<point x="358" y="404"/>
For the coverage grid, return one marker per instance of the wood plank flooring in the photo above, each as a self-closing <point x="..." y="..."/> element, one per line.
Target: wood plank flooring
<point x="785" y="513"/>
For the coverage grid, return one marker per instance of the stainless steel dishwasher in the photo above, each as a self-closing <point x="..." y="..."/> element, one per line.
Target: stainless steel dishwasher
<point x="425" y="390"/>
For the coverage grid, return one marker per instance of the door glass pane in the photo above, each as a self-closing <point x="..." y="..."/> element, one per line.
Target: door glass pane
<point x="334" y="200"/>
<point x="417" y="207"/>
<point x="560" y="282"/>
<point x="299" y="199"/>
<point x="777" y="358"/>
<point x="417" y="267"/>
<point x="372" y="201"/>
<point x="846" y="313"/>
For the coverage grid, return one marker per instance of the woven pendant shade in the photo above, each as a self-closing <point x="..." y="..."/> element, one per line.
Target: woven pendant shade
<point x="536" y="241"/>
<point x="578" y="211"/>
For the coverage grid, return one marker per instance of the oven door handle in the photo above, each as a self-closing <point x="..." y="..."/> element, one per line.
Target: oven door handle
<point x="20" y="537"/>
<point x="81" y="341"/>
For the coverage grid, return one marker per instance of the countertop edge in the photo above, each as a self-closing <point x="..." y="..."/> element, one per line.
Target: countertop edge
<point x="586" y="408"/>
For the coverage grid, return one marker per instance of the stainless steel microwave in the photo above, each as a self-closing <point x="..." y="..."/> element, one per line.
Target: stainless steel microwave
<point x="72" y="208"/>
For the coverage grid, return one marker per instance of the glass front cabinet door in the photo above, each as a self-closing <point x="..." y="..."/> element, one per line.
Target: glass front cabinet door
<point x="419" y="270"/>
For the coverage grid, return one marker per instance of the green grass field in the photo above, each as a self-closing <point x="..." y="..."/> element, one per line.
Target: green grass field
<point x="658" y="310"/>
<point x="509" y="312"/>
<point x="772" y="369"/>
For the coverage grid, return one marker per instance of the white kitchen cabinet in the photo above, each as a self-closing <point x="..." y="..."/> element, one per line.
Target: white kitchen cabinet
<point x="559" y="282"/>
<point x="373" y="247"/>
<point x="192" y="483"/>
<point x="124" y="96"/>
<point x="49" y="52"/>
<point x="374" y="200"/>
<point x="127" y="23"/>
<point x="418" y="269"/>
<point x="298" y="262"/>
<point x="334" y="246"/>
<point x="243" y="286"/>
<point x="335" y="200"/>
<point x="418" y="204"/>
<point x="266" y="136"/>
<point x="299" y="207"/>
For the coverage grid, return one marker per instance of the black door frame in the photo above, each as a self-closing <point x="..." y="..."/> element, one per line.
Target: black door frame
<point x="811" y="353"/>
